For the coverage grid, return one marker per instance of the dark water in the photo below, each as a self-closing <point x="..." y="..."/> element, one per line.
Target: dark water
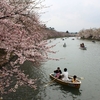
<point x="83" y="63"/>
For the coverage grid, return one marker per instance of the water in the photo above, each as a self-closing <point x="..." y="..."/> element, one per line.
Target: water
<point x="83" y="63"/>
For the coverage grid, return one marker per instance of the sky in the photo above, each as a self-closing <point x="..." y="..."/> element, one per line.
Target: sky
<point x="71" y="15"/>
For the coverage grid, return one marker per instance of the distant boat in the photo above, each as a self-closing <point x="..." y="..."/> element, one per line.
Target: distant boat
<point x="93" y="41"/>
<point x="64" y="45"/>
<point x="62" y="39"/>
<point x="82" y="46"/>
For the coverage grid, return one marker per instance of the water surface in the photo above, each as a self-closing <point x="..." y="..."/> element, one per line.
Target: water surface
<point x="83" y="63"/>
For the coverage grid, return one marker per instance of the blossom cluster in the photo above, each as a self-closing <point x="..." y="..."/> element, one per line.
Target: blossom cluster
<point x="21" y="35"/>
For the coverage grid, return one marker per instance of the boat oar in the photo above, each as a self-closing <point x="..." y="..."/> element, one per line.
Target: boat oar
<point x="50" y="82"/>
<point x="81" y="78"/>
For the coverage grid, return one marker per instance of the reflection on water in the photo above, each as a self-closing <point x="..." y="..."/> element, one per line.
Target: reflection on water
<point x="73" y="91"/>
<point x="65" y="90"/>
<point x="58" y="92"/>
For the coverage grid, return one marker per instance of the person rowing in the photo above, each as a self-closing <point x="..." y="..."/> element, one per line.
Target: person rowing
<point x="57" y="73"/>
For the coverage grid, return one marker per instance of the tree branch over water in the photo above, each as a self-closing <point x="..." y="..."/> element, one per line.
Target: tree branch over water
<point x="21" y="35"/>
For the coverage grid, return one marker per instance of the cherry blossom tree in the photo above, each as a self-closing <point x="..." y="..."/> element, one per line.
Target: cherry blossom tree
<point x="21" y="35"/>
<point x="92" y="33"/>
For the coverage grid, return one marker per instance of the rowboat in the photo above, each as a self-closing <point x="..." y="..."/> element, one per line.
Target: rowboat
<point x="64" y="45"/>
<point x="83" y="48"/>
<point x="67" y="83"/>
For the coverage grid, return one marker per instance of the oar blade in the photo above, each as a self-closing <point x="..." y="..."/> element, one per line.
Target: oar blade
<point x="50" y="82"/>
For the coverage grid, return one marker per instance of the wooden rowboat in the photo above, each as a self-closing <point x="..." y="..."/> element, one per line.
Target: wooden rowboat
<point x="83" y="48"/>
<point x="67" y="83"/>
<point x="64" y="45"/>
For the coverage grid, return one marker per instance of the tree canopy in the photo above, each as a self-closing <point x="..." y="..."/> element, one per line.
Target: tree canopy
<point x="21" y="35"/>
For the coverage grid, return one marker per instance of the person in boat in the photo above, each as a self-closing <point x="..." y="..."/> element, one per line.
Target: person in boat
<point x="74" y="79"/>
<point x="65" y="75"/>
<point x="64" y="45"/>
<point x="82" y="45"/>
<point x="58" y="72"/>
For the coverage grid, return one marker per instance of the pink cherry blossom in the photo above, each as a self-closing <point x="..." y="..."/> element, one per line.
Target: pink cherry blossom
<point x="21" y="34"/>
